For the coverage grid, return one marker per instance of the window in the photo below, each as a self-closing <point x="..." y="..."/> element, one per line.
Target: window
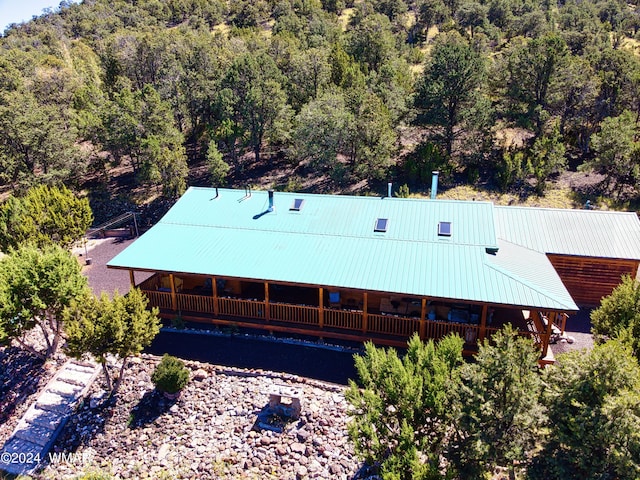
<point x="297" y="205"/>
<point x="444" y="229"/>
<point x="381" y="225"/>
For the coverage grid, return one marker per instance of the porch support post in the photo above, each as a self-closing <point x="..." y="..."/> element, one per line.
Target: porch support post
<point x="483" y="323"/>
<point x="267" y="314"/>
<point x="564" y="323"/>
<point x="321" y="307"/>
<point x="214" y="291"/>
<point x="423" y="319"/>
<point x="174" y="298"/>
<point x="365" y="316"/>
<point x="546" y="337"/>
<point x="132" y="279"/>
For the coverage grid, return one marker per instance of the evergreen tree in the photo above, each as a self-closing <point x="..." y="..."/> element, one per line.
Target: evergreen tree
<point x="594" y="416"/>
<point x="501" y="418"/>
<point x="450" y="87"/>
<point x="618" y="315"/>
<point x="35" y="288"/>
<point x="44" y="216"/>
<point x="401" y="409"/>
<point x="122" y="327"/>
<point x="218" y="168"/>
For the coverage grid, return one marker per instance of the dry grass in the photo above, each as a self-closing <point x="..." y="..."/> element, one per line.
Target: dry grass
<point x="555" y="197"/>
<point x="345" y="17"/>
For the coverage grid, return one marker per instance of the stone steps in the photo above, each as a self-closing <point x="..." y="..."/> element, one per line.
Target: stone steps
<point x="43" y="421"/>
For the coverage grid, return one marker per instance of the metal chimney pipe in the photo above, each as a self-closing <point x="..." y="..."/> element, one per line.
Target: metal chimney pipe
<point x="389" y="188"/>
<point x="434" y="184"/>
<point x="217" y="194"/>
<point x="270" y="209"/>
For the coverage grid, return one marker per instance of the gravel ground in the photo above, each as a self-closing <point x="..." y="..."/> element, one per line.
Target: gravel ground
<point x="579" y="328"/>
<point x="101" y="278"/>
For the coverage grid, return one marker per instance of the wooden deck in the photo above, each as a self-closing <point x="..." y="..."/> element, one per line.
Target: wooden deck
<point x="335" y="323"/>
<point x="383" y="318"/>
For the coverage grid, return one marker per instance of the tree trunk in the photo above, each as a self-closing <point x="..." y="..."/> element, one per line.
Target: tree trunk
<point x="56" y="327"/>
<point x="46" y="338"/>
<point x="107" y="376"/>
<point x="120" y="376"/>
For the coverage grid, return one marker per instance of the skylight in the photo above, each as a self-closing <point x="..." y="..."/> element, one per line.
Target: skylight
<point x="444" y="229"/>
<point x="297" y="204"/>
<point x="381" y="225"/>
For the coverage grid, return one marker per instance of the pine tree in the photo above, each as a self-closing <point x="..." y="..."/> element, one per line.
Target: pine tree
<point x="401" y="410"/>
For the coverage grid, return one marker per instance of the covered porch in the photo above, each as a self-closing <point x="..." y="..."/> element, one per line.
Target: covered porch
<point x="338" y="313"/>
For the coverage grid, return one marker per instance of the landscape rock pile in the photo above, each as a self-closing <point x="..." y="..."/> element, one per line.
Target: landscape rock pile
<point x="209" y="432"/>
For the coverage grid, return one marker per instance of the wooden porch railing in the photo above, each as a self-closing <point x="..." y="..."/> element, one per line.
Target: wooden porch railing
<point x="241" y="308"/>
<point x="469" y="332"/>
<point x="393" y="325"/>
<point x="285" y="312"/>
<point x="342" y="319"/>
<point x="159" y="299"/>
<point x="309" y="316"/>
<point x="195" y="303"/>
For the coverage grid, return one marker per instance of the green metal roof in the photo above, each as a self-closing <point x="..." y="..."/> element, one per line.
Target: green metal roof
<point x="331" y="242"/>
<point x="589" y="233"/>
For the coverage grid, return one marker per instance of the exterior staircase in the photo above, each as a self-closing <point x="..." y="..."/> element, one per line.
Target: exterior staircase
<point x="39" y="427"/>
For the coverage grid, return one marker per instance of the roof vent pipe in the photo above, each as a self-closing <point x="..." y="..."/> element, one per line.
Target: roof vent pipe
<point x="389" y="187"/>
<point x="434" y="184"/>
<point x="217" y="194"/>
<point x="270" y="209"/>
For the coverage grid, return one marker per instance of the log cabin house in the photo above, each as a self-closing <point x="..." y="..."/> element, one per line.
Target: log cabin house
<point x="380" y="269"/>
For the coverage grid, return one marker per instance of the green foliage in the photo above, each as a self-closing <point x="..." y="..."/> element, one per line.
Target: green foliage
<point x="500" y="412"/>
<point x="44" y="216"/>
<point x="426" y="158"/>
<point x="94" y="475"/>
<point x="37" y="144"/>
<point x="218" y="168"/>
<point x="170" y="375"/>
<point x="618" y="315"/>
<point x="450" y="87"/>
<point x="370" y="41"/>
<point x="594" y="414"/>
<point x="374" y="139"/>
<point x="122" y="327"/>
<point x="403" y="191"/>
<point x="547" y="157"/>
<point x="401" y="409"/>
<point x="145" y="82"/>
<point x="617" y="151"/>
<point x="531" y="70"/>
<point x="323" y="131"/>
<point x="257" y="99"/>
<point x="36" y="286"/>
<point x="139" y="125"/>
<point x="512" y="168"/>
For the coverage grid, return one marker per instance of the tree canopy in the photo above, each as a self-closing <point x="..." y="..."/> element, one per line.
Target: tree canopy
<point x="618" y="315"/>
<point x="149" y="85"/>
<point x="402" y="409"/>
<point x="44" y="216"/>
<point x="36" y="286"/>
<point x="121" y="327"/>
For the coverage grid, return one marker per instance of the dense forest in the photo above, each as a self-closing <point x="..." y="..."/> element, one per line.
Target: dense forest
<point x="503" y="93"/>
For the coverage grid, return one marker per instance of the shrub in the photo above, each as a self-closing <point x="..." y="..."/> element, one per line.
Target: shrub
<point x="170" y="375"/>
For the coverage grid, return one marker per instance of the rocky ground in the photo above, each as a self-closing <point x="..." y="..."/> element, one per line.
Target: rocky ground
<point x="209" y="432"/>
<point x="22" y="375"/>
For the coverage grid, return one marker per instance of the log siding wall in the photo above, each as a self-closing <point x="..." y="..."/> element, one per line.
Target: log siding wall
<point x="588" y="279"/>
